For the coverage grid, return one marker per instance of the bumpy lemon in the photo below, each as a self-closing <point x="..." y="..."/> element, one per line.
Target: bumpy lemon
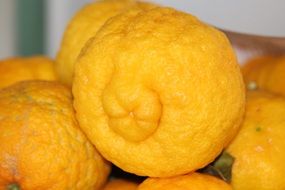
<point x="193" y="181"/>
<point x="41" y="145"/>
<point x="17" y="69"/>
<point x="120" y="184"/>
<point x="82" y="27"/>
<point x="266" y="73"/>
<point x="159" y="92"/>
<point x="259" y="147"/>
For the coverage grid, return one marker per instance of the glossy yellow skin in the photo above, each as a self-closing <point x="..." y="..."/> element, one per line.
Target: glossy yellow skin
<point x="159" y="92"/>
<point x="267" y="72"/>
<point x="120" y="184"/>
<point x="82" y="27"/>
<point x="18" y="69"/>
<point x="193" y="181"/>
<point x="41" y="145"/>
<point x="259" y="147"/>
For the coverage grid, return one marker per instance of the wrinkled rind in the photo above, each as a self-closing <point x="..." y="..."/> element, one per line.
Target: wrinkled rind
<point x="191" y="67"/>
<point x="41" y="145"/>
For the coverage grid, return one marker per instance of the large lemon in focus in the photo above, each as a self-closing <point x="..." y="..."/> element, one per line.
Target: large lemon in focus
<point x="41" y="145"/>
<point x="159" y="92"/>
<point x="193" y="181"/>
<point x="82" y="27"/>
<point x="18" y="69"/>
<point x="258" y="149"/>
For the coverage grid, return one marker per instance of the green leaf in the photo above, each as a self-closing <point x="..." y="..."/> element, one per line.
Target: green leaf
<point x="13" y="186"/>
<point x="221" y="167"/>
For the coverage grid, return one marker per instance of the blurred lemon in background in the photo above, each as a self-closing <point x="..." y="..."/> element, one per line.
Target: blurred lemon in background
<point x="267" y="73"/>
<point x="17" y="69"/>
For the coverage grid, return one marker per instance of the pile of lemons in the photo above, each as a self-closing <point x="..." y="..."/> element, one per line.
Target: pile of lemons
<point x="151" y="90"/>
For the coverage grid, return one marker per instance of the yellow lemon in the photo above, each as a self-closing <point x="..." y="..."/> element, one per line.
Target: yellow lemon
<point x="159" y="92"/>
<point x="193" y="181"/>
<point x="258" y="149"/>
<point x="266" y="73"/>
<point x="41" y="145"/>
<point x="82" y="27"/>
<point x="18" y="69"/>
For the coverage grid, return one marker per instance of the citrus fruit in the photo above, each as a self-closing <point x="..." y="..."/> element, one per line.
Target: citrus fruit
<point x="120" y="184"/>
<point x="258" y="149"/>
<point x="266" y="73"/>
<point x="41" y="145"/>
<point x="193" y="181"/>
<point x="159" y="92"/>
<point x="17" y="69"/>
<point x="82" y="27"/>
<point x="252" y="68"/>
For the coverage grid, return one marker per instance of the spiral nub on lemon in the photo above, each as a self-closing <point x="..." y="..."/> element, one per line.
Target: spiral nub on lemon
<point x="159" y="92"/>
<point x="258" y="149"/>
<point x="41" y="145"/>
<point x="13" y="70"/>
<point x="194" y="181"/>
<point x="84" y="26"/>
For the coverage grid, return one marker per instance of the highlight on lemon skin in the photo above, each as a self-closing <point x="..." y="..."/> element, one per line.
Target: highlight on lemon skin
<point x="41" y="143"/>
<point x="258" y="148"/>
<point x="16" y="69"/>
<point x="194" y="181"/>
<point x="84" y="26"/>
<point x="159" y="92"/>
